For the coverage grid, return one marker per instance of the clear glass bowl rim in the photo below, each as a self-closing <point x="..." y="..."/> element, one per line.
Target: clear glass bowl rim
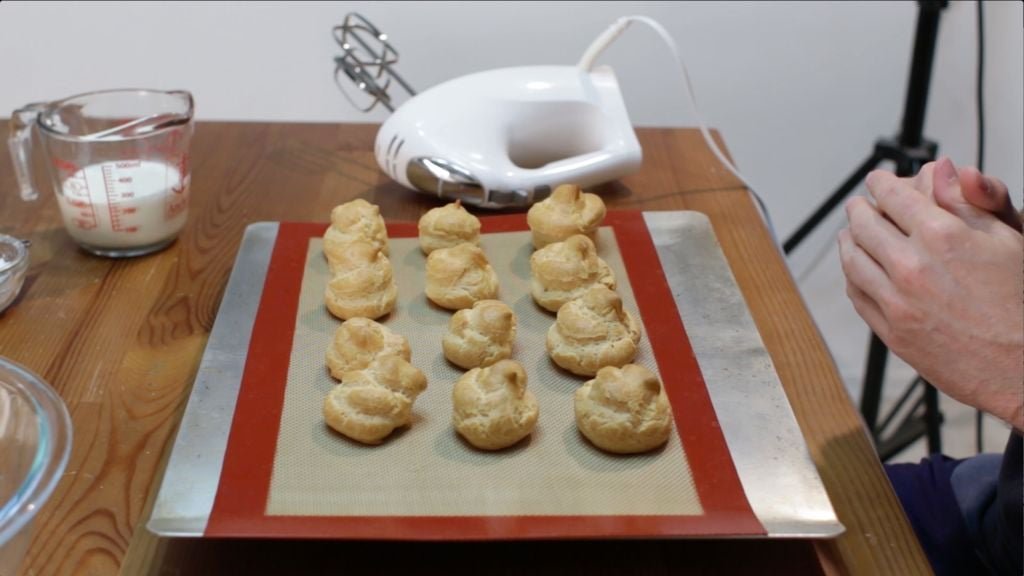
<point x="52" y="453"/>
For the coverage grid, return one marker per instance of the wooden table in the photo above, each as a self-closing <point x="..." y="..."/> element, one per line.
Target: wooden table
<point x="120" y="340"/>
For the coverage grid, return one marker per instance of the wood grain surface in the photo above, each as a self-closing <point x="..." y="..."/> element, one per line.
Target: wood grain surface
<point x="120" y="340"/>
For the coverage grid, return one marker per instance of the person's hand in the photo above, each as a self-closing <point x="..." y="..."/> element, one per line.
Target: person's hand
<point x="983" y="192"/>
<point x="941" y="283"/>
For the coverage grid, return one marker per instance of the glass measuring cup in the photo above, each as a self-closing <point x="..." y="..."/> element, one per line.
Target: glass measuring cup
<point x="118" y="162"/>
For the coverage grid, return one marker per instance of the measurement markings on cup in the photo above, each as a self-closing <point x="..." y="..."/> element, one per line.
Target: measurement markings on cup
<point x="119" y="185"/>
<point x="79" y="198"/>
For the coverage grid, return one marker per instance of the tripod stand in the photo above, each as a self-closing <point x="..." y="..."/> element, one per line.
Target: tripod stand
<point x="908" y="151"/>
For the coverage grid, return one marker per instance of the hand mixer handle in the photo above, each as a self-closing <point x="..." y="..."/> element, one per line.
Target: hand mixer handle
<point x="586" y="169"/>
<point x="568" y="140"/>
<point x="19" y="143"/>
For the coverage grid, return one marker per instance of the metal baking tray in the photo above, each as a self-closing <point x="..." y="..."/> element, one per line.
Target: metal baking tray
<point x="767" y="449"/>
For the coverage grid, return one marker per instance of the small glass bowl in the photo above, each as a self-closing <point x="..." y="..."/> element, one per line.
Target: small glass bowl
<point x="35" y="442"/>
<point x="13" y="264"/>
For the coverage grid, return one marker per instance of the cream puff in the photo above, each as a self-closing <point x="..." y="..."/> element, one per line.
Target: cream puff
<point x="370" y="403"/>
<point x="358" y="341"/>
<point x="355" y="220"/>
<point x="624" y="410"/>
<point x="567" y="212"/>
<point x="363" y="284"/>
<point x="564" y="270"/>
<point x="492" y="407"/>
<point x="459" y="276"/>
<point x="593" y="331"/>
<point x="356" y="254"/>
<point x="481" y="335"/>
<point x="448" y="226"/>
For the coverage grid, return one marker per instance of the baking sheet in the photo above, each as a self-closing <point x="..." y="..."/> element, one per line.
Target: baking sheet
<point x="770" y="457"/>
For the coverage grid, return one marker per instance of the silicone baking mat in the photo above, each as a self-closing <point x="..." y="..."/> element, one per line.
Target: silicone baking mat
<point x="287" y="474"/>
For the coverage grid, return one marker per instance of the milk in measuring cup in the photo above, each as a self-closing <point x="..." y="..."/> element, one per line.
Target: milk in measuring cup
<point x="124" y="204"/>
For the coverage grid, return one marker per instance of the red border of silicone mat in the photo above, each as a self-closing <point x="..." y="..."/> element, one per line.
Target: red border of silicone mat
<point x="240" y="504"/>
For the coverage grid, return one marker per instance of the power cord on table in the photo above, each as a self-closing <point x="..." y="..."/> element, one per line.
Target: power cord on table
<point x="609" y="36"/>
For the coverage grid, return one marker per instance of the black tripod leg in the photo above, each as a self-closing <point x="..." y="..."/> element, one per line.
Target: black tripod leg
<point x="808" y="226"/>
<point x="874" y="375"/>
<point x="932" y="419"/>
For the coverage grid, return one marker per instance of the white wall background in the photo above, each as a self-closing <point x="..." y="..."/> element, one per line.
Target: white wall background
<point x="800" y="90"/>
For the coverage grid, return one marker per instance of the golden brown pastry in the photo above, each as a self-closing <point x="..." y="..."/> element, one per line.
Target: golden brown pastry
<point x="363" y="284"/>
<point x="356" y="254"/>
<point x="564" y="270"/>
<point x="448" y="226"/>
<point x="493" y="408"/>
<point x="459" y="276"/>
<point x="593" y="331"/>
<point x="351" y="221"/>
<point x="481" y="335"/>
<point x="568" y="211"/>
<point x="358" y="341"/>
<point x="370" y="403"/>
<point x="624" y="410"/>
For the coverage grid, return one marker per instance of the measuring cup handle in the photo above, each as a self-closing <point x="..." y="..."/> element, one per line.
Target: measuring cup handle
<point x="20" y="145"/>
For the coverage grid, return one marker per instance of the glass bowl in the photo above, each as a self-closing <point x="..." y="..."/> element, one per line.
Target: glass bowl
<point x="13" y="263"/>
<point x="35" y="441"/>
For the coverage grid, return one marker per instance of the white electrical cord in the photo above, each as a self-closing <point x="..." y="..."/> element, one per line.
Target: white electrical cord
<point x="612" y="33"/>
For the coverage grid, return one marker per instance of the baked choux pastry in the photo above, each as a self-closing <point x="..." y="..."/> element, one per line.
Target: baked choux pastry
<point x="493" y="408"/>
<point x="564" y="270"/>
<point x="624" y="410"/>
<point x="593" y="331"/>
<point x="567" y="212"/>
<point x="363" y="284"/>
<point x="481" y="335"/>
<point x="358" y="341"/>
<point x="459" y="276"/>
<point x="356" y="254"/>
<point x="355" y="220"/>
<point x="448" y="226"/>
<point x="370" y="403"/>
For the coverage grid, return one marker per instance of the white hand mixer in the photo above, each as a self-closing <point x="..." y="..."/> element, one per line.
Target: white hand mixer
<point x="504" y="137"/>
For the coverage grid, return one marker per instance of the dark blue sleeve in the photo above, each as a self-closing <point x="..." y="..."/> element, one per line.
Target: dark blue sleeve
<point x="926" y="493"/>
<point x="1003" y="526"/>
<point x="967" y="514"/>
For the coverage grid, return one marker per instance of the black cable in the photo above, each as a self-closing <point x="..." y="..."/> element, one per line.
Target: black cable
<point x="980" y="97"/>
